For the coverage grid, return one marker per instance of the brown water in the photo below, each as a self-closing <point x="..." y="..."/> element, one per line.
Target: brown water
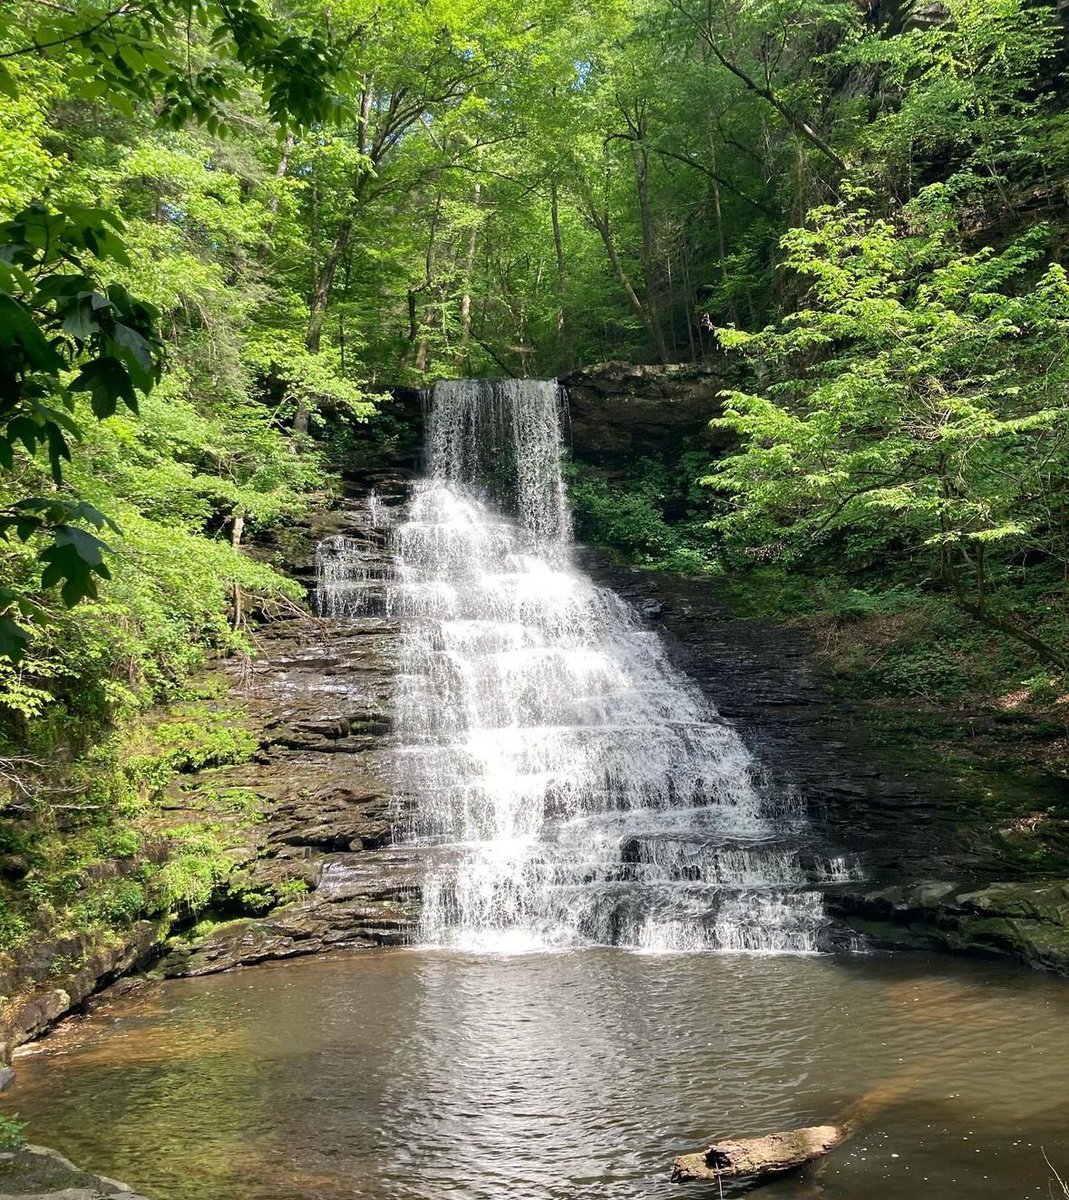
<point x="393" y="1074"/>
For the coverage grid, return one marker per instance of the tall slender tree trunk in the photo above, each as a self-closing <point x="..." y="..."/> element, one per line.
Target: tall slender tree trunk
<point x="273" y="203"/>
<point x="317" y="308"/>
<point x="237" y="529"/>
<point x="558" y="246"/>
<point x="423" y="348"/>
<point x="721" y="241"/>
<point x="641" y="162"/>
<point x="690" y="310"/>
<point x="469" y="271"/>
<point x="601" y="224"/>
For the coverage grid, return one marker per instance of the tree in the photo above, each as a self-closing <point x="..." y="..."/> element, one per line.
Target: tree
<point x="56" y="316"/>
<point x="916" y="410"/>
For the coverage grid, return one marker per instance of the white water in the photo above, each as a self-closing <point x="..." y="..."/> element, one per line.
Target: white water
<point x="349" y="566"/>
<point x="569" y="785"/>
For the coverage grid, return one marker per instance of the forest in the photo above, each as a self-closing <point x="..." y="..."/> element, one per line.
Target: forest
<point x="228" y="228"/>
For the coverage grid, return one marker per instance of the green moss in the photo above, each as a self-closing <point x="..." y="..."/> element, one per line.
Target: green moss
<point x="110" y="854"/>
<point x="203" y="740"/>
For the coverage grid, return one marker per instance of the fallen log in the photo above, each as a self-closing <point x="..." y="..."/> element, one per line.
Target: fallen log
<point x="777" y="1153"/>
<point x="759" y="1157"/>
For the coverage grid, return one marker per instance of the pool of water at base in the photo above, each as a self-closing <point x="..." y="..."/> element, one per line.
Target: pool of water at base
<point x="405" y="1073"/>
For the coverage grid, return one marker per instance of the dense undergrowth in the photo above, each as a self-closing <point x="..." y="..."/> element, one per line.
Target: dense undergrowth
<point x="105" y="837"/>
<point x="880" y="632"/>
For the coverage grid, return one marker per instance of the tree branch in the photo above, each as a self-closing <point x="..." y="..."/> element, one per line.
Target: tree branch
<point x="797" y="123"/>
<point x="724" y="183"/>
<point x="37" y="47"/>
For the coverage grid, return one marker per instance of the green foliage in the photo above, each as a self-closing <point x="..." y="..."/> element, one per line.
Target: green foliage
<point x="648" y="515"/>
<point x="57" y="317"/>
<point x="918" y="410"/>
<point x="13" y="926"/>
<point x="11" y="1131"/>
<point x="192" y="744"/>
<point x="628" y="520"/>
<point x="196" y="865"/>
<point x="189" y="56"/>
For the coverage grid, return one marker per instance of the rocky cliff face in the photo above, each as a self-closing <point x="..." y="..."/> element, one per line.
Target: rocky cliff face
<point x="619" y="412"/>
<point x="318" y="698"/>
<point x="932" y="880"/>
<point x="761" y="677"/>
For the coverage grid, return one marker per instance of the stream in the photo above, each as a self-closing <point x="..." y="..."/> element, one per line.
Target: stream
<point x="559" y="1076"/>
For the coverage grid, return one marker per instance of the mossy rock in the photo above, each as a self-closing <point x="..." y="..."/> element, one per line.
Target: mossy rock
<point x="35" y="1172"/>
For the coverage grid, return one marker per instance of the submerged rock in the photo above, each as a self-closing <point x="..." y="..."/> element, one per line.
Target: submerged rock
<point x="37" y="1173"/>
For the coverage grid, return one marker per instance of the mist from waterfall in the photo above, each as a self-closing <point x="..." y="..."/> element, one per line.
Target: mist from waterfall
<point x="568" y="785"/>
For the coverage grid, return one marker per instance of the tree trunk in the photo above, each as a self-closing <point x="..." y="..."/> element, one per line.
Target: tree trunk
<point x="236" y="530"/>
<point x="317" y="309"/>
<point x="558" y="246"/>
<point x="469" y="271"/>
<point x="601" y="224"/>
<point x="423" y="351"/>
<point x="641" y="162"/>
<point x="721" y="242"/>
<point x="280" y="173"/>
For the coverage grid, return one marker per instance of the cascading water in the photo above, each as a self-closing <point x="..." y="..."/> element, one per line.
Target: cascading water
<point x="348" y="566"/>
<point x="568" y="784"/>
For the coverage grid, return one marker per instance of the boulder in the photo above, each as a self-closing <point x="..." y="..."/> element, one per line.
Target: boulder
<point x="1023" y="921"/>
<point x="38" y="1173"/>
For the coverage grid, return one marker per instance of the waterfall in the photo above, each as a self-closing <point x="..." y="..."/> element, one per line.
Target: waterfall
<point x="567" y="784"/>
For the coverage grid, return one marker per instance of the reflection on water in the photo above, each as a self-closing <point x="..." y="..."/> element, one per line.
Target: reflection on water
<point x="562" y="1076"/>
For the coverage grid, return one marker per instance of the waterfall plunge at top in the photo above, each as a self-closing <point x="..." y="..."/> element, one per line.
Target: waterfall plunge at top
<point x="569" y="784"/>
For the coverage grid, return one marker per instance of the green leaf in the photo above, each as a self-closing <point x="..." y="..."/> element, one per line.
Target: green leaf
<point x="18" y="328"/>
<point x="8" y="86"/>
<point x="137" y="353"/>
<point x="108" y="382"/>
<point x="74" y="559"/>
<point x="13" y="639"/>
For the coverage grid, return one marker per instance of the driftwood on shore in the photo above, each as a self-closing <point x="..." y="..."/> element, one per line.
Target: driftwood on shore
<point x="758" y="1157"/>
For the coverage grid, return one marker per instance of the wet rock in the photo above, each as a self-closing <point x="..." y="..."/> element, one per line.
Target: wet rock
<point x="379" y="913"/>
<point x="37" y="1173"/>
<point x="761" y="677"/>
<point x="31" y="1005"/>
<point x="316" y="795"/>
<point x="1026" y="922"/>
<point x="319" y="695"/>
